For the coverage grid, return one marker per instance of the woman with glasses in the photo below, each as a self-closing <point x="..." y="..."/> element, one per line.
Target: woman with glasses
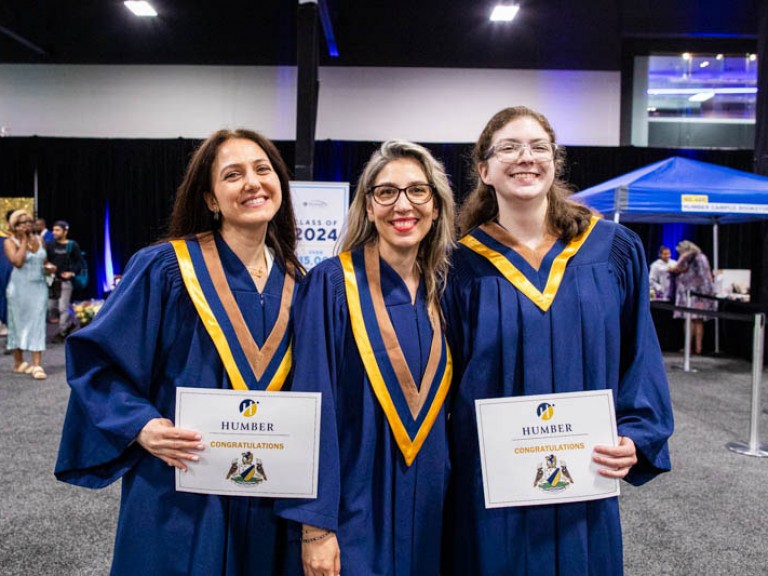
<point x="544" y="298"/>
<point x="369" y="337"/>
<point x="27" y="295"/>
<point x="210" y="309"/>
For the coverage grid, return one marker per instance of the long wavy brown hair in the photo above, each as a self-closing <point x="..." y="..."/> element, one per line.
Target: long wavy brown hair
<point x="191" y="214"/>
<point x="565" y="218"/>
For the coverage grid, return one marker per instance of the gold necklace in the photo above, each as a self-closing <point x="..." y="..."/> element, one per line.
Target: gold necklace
<point x="256" y="271"/>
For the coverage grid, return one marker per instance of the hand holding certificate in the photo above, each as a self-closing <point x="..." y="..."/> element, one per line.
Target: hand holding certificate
<point x="256" y="443"/>
<point x="539" y="449"/>
<point x="174" y="446"/>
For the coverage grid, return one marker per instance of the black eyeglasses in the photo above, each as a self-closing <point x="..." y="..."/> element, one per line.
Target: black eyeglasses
<point x="386" y="194"/>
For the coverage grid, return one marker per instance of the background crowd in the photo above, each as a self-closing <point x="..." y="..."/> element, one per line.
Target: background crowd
<point x="38" y="273"/>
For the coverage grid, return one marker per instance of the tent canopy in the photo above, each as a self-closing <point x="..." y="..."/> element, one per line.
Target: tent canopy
<point x="681" y="190"/>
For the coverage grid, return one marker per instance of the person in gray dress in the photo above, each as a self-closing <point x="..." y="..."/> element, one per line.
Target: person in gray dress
<point x="692" y="272"/>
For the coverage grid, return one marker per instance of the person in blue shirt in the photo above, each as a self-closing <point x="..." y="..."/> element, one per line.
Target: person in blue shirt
<point x="41" y="229"/>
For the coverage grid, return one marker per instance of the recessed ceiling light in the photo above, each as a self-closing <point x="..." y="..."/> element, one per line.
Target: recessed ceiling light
<point x="504" y="13"/>
<point x="686" y="55"/>
<point x="140" y="8"/>
<point x="752" y="57"/>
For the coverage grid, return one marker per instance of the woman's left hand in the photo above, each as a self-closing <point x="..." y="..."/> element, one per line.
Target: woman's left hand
<point x="617" y="460"/>
<point x="172" y="445"/>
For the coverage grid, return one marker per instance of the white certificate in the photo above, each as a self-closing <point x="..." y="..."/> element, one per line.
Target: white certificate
<point x="256" y="443"/>
<point x="538" y="449"/>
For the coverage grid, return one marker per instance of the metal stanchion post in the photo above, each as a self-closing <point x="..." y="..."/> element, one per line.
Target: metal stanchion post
<point x="687" y="346"/>
<point x="754" y="448"/>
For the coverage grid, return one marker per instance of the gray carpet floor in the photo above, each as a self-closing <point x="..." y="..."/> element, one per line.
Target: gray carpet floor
<point x="706" y="517"/>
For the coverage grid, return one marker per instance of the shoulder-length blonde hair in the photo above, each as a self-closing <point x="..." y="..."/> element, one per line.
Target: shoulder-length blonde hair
<point x="435" y="247"/>
<point x="13" y="219"/>
<point x="565" y="218"/>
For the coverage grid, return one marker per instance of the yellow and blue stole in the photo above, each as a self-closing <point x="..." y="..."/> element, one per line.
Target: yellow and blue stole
<point x="248" y="367"/>
<point x="481" y="239"/>
<point x="410" y="411"/>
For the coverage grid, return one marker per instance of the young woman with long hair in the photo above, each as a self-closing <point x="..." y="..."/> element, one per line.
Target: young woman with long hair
<point x="369" y="337"/>
<point x="545" y="298"/>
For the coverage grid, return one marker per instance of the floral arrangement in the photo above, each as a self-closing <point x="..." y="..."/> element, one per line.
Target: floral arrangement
<point x="86" y="310"/>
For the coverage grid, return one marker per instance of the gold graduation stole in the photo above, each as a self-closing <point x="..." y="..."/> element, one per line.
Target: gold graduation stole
<point x="248" y="367"/>
<point x="480" y="239"/>
<point x="410" y="411"/>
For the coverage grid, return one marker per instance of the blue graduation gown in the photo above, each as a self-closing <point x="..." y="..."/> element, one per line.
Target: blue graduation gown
<point x="387" y="516"/>
<point x="597" y="334"/>
<point x="5" y="275"/>
<point x="124" y="369"/>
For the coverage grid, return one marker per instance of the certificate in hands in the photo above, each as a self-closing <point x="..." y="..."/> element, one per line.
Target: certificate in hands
<point x="538" y="449"/>
<point x="256" y="443"/>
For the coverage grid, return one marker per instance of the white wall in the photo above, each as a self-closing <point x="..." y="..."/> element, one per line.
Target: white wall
<point x="453" y="105"/>
<point x="427" y="105"/>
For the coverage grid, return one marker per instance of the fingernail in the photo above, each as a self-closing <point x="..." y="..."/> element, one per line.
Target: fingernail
<point x="195" y="458"/>
<point x="198" y="437"/>
<point x="201" y="446"/>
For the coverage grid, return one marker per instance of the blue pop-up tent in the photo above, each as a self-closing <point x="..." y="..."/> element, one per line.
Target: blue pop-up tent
<point x="681" y="190"/>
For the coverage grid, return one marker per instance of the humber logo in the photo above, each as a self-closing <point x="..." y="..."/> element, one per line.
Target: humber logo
<point x="545" y="411"/>
<point x="248" y="408"/>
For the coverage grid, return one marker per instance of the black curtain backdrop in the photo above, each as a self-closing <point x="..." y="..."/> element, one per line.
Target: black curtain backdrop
<point x="760" y="264"/>
<point x="78" y="178"/>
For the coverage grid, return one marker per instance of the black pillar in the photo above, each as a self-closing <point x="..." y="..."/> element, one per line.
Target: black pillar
<point x="307" y="88"/>
<point x="761" y="126"/>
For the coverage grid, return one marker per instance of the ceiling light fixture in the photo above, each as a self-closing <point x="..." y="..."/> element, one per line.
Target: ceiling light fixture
<point x="704" y="64"/>
<point x="140" y="8"/>
<point x="686" y="55"/>
<point x="504" y="13"/>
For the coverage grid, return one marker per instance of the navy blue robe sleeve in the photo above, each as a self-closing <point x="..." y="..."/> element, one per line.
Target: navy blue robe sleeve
<point x="321" y="321"/>
<point x="452" y="307"/>
<point x="5" y="274"/>
<point x="110" y="367"/>
<point x="643" y="405"/>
